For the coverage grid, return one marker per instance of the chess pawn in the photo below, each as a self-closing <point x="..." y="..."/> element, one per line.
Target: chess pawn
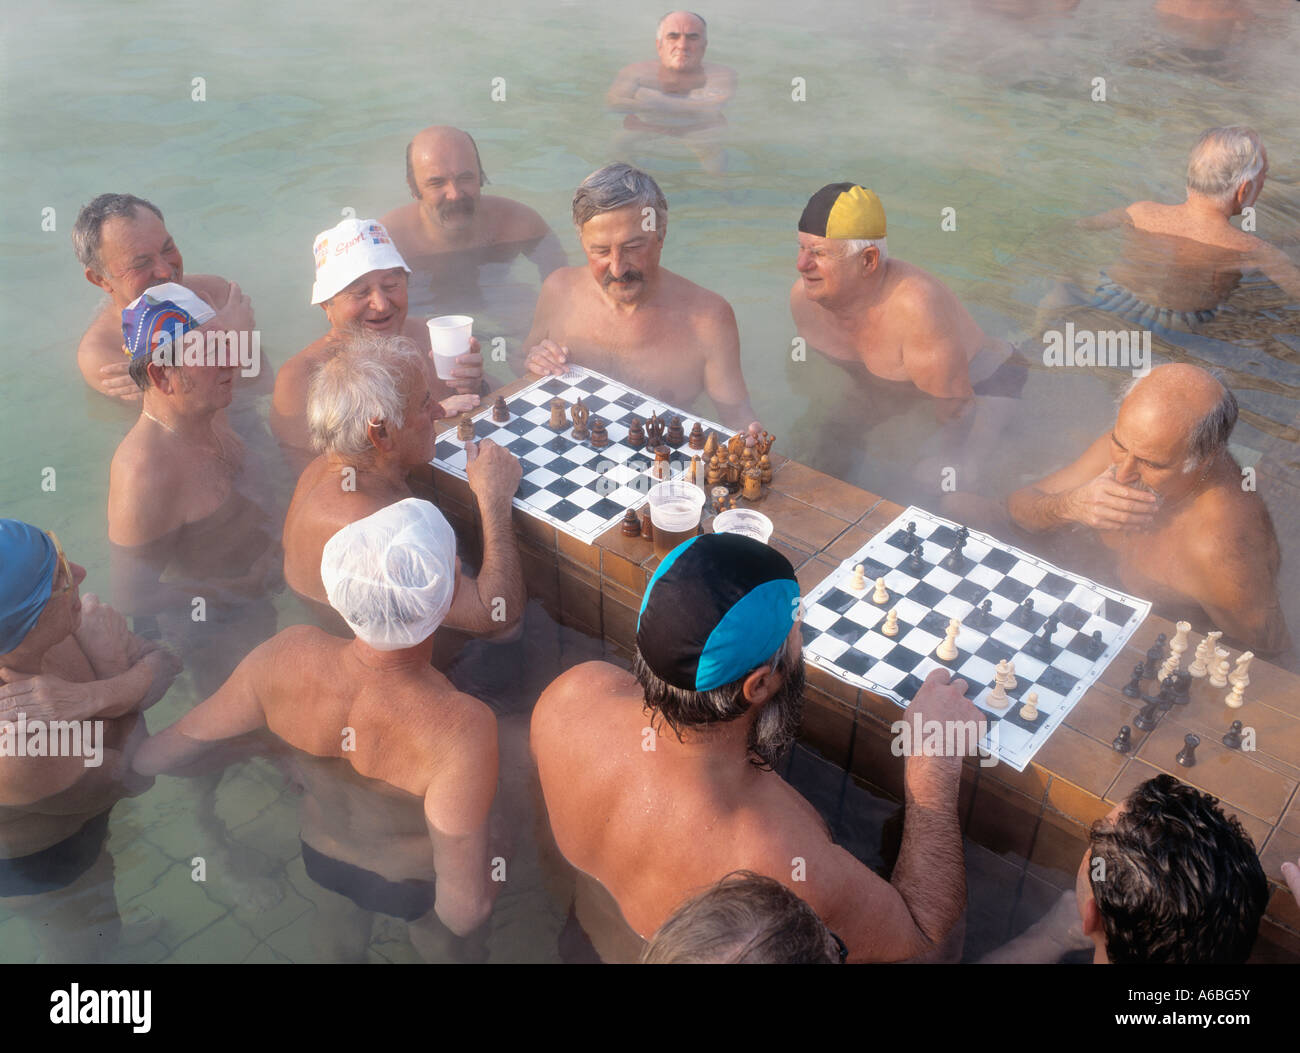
<point x="1201" y="663"/>
<point x="714" y="476"/>
<point x="1241" y="675"/>
<point x="696" y="440"/>
<point x="599" y="434"/>
<point x="891" y="623"/>
<point x="1029" y="711"/>
<point x="881" y="595"/>
<point x="733" y="470"/>
<point x="753" y="484"/>
<point x="765" y="467"/>
<point x="500" y="411"/>
<point x="1236" y="696"/>
<point x="1219" y="676"/>
<point x="635" y="434"/>
<point x="631" y="525"/>
<point x="697" y="472"/>
<point x="662" y="469"/>
<point x="676" y="434"/>
<point x="465" y="429"/>
<point x="559" y="420"/>
<point x="858" y="582"/>
<point x="647" y="527"/>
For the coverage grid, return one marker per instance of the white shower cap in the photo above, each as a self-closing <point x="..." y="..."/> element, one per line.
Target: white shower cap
<point x="391" y="575"/>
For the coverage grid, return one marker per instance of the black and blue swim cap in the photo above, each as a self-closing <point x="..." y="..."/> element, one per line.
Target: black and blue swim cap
<point x="719" y="606"/>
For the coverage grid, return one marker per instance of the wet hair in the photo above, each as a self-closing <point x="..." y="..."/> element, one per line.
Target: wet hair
<point x="854" y="246"/>
<point x="1181" y="883"/>
<point x="410" y="166"/>
<point x="1224" y="159"/>
<point x="745" y="919"/>
<point x="683" y="710"/>
<point x="616" y="186"/>
<point x="88" y="231"/>
<point x="363" y="382"/>
<point x="138" y="371"/>
<point x="659" y="28"/>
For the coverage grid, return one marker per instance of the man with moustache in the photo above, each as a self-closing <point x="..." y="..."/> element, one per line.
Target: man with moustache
<point x="659" y="782"/>
<point x="125" y="248"/>
<point x="1163" y="499"/>
<point x="626" y="316"/>
<point x="361" y="284"/>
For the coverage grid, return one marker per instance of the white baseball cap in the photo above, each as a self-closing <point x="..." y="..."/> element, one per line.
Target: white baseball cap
<point x="392" y="574"/>
<point x="347" y="251"/>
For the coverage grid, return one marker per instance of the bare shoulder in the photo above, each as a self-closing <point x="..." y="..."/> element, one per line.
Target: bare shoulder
<point x="400" y="219"/>
<point x="512" y="220"/>
<point x="212" y="287"/>
<point x="140" y="481"/>
<point x="576" y="692"/>
<point x="703" y="304"/>
<point x="294" y="375"/>
<point x="1231" y="524"/>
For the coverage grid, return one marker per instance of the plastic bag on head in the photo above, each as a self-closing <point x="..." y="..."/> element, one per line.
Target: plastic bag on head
<point x="391" y="575"/>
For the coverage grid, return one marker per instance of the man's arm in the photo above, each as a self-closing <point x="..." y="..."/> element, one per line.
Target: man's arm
<point x="1115" y="217"/>
<point x="1277" y="267"/>
<point x="539" y="354"/>
<point x="548" y="255"/>
<point x="1228" y="575"/>
<point x="1084" y="492"/>
<point x="235" y="710"/>
<point x="456" y="808"/>
<point x="723" y="379"/>
<point x="494" y="601"/>
<point x="621" y="96"/>
<point x="101" y="357"/>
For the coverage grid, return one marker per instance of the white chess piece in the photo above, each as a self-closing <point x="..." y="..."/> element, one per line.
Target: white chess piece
<point x="1179" y="643"/>
<point x="947" y="650"/>
<point x="891" y="623"/>
<point x="858" y="583"/>
<point x="1236" y="696"/>
<point x="881" y="595"/>
<point x="1201" y="663"/>
<point x="1241" y="674"/>
<point x="1011" y="676"/>
<point x="1219" y="675"/>
<point x="1029" y="711"/>
<point x="1168" y="669"/>
<point x="998" y="699"/>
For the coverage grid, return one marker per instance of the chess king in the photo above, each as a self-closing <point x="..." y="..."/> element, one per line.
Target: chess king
<point x="1168" y="508"/>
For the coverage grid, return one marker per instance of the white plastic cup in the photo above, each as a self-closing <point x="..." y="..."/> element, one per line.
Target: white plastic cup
<point x="449" y="336"/>
<point x="743" y="521"/>
<point x="675" y="508"/>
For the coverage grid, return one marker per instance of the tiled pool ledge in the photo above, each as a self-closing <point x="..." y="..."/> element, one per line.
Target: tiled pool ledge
<point x="1039" y="815"/>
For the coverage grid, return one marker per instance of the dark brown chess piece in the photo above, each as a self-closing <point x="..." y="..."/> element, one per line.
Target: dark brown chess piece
<point x="631" y="525"/>
<point x="580" y="413"/>
<point x="465" y="429"/>
<point x="753" y="484"/>
<point x="635" y="434"/>
<point x="599" y="436"/>
<point x="697" y="437"/>
<point x="654" y="431"/>
<point x="559" y="419"/>
<point x="676" y="433"/>
<point x="500" y="411"/>
<point x="647" y="528"/>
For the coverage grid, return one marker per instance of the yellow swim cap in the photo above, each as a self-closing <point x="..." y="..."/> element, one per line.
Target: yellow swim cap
<point x="843" y="210"/>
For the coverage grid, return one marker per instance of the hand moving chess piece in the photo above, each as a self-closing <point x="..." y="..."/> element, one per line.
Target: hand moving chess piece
<point x="500" y="411"/>
<point x="947" y="651"/>
<point x="559" y="421"/>
<point x="891" y="623"/>
<point x="580" y="413"/>
<point x="881" y="594"/>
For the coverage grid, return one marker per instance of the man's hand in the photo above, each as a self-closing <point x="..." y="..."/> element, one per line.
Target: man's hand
<point x="493" y="473"/>
<point x="455" y="405"/>
<point x="547" y="358"/>
<point x="236" y="314"/>
<point x="165" y="667"/>
<point x="105" y="637"/>
<point x="115" y="383"/>
<point x="933" y="780"/>
<point x="43" y="697"/>
<point x="467" y="378"/>
<point x="1105" y="504"/>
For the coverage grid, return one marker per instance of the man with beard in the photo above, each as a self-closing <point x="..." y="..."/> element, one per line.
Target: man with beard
<point x="361" y="286"/>
<point x="659" y="782"/>
<point x="1164" y="500"/>
<point x="629" y="318"/>
<point x="463" y="244"/>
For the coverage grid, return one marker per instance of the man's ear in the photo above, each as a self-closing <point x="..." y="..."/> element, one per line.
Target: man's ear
<point x="159" y="377"/>
<point x="761" y="684"/>
<point x="95" y="278"/>
<point x="1090" y="914"/>
<point x="378" y="434"/>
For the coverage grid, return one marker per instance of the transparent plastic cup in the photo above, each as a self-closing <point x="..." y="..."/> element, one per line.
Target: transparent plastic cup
<point x="449" y="336"/>
<point x="743" y="521"/>
<point x="675" y="508"/>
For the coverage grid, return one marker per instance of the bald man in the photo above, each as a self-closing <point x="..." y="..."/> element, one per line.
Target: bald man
<point x="1164" y="497"/>
<point x="458" y="240"/>
<point x="679" y="95"/>
<point x="1179" y="263"/>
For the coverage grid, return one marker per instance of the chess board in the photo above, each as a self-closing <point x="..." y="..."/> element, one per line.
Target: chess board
<point x="577" y="488"/>
<point x="841" y="627"/>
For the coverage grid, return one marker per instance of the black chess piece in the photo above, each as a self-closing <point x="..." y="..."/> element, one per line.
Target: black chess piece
<point x="1095" y="646"/>
<point x="1123" y="741"/>
<point x="1154" y="655"/>
<point x="1233" y="738"/>
<point x="981" y="615"/>
<point x="1024" y="615"/>
<point x="1165" y="698"/>
<point x="1187" y="755"/>
<point x="1147" y="719"/>
<point x="954" y="560"/>
<point x="1133" y="689"/>
<point x="1182" y="688"/>
<point x="915" y="561"/>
